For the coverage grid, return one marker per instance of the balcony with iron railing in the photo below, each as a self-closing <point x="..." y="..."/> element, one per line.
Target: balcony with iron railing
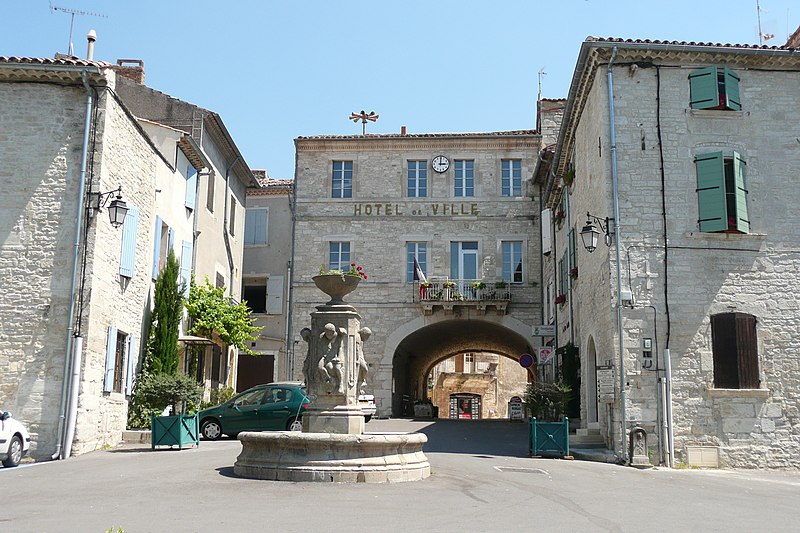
<point x="449" y="294"/>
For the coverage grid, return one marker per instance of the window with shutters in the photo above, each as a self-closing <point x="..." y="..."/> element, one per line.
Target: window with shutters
<point x="714" y="88"/>
<point x="162" y="244"/>
<point x="254" y="292"/>
<point x="120" y="348"/>
<point x="735" y="351"/>
<point x="722" y="193"/>
<point x="232" y="226"/>
<point x="255" y="226"/>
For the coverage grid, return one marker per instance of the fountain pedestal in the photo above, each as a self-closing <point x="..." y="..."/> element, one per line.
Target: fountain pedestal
<point x="333" y="445"/>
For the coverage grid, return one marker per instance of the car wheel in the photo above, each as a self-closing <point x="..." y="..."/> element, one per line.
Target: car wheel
<point x="211" y="429"/>
<point x="367" y="418"/>
<point x="294" y="424"/>
<point x="14" y="452"/>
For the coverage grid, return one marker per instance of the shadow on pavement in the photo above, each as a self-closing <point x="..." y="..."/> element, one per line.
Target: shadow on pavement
<point x="482" y="438"/>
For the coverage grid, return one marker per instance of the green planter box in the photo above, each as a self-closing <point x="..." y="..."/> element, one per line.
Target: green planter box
<point x="178" y="430"/>
<point x="548" y="439"/>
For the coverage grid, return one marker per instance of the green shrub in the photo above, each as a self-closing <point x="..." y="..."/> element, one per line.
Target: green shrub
<point x="547" y="401"/>
<point x="218" y="396"/>
<point x="157" y="391"/>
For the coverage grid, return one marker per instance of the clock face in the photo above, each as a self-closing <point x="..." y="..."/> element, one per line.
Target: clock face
<point x="440" y="164"/>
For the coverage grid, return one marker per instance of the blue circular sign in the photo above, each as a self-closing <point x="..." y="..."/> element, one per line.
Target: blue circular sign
<point x="526" y="360"/>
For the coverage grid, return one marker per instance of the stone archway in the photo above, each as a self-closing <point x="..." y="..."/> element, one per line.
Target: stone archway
<point x="418" y="345"/>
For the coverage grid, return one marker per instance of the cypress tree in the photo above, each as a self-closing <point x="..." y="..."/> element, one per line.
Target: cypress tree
<point x="162" y="345"/>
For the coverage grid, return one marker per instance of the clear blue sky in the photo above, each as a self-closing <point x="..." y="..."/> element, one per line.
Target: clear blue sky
<point x="275" y="70"/>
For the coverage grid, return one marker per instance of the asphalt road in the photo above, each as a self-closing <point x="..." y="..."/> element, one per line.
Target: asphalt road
<point x="481" y="481"/>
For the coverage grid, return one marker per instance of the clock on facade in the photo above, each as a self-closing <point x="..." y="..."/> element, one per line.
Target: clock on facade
<point x="440" y="164"/>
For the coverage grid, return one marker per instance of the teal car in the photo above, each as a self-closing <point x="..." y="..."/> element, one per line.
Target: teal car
<point x="276" y="406"/>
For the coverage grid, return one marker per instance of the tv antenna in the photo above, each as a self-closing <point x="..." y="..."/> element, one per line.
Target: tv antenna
<point x="761" y="35"/>
<point x="72" y="13"/>
<point x="364" y="117"/>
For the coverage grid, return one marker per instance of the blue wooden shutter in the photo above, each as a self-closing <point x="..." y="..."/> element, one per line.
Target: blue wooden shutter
<point x="712" y="210"/>
<point x="186" y="266"/>
<point x="111" y="352"/>
<point x="170" y="240"/>
<point x="156" y="246"/>
<point x="127" y="257"/>
<point x="740" y="180"/>
<point x="454" y="273"/>
<point x="704" y="93"/>
<point x="732" y="90"/>
<point x="191" y="187"/>
<point x="274" y="305"/>
<point x="133" y="356"/>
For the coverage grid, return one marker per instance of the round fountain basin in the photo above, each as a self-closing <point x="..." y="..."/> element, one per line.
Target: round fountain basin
<point x="332" y="457"/>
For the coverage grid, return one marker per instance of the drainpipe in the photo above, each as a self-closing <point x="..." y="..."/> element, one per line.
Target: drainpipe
<point x="72" y="361"/>
<point x="290" y="292"/>
<point x="615" y="180"/>
<point x="226" y="228"/>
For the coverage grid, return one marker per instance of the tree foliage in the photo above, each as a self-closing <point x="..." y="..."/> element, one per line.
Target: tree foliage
<point x="212" y="312"/>
<point x="155" y="392"/>
<point x="162" y="344"/>
<point x="547" y="401"/>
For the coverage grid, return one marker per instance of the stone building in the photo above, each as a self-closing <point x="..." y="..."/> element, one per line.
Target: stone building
<point x="266" y="269"/>
<point x="691" y="151"/>
<point x="463" y="206"/>
<point x="78" y="289"/>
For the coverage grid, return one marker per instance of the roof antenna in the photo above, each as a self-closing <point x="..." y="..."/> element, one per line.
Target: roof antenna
<point x="542" y="74"/>
<point x="72" y="13"/>
<point x="364" y="117"/>
<point x="761" y="35"/>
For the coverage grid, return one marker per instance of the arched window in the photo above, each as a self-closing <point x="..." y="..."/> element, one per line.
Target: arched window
<point x="735" y="350"/>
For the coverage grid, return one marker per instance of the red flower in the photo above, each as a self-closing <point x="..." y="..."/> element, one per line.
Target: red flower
<point x="352" y="264"/>
<point x="359" y="269"/>
<point x="365" y="276"/>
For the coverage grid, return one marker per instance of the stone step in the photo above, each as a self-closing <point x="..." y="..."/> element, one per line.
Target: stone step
<point x="587" y="431"/>
<point x="136" y="436"/>
<point x="587" y="441"/>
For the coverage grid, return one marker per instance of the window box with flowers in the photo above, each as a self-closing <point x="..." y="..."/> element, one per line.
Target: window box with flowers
<point x="559" y="217"/>
<point x="561" y="299"/>
<point x="423" y="289"/>
<point x="573" y="272"/>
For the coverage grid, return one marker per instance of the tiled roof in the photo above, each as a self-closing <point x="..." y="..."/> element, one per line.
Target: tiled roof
<point x="682" y="43"/>
<point x="65" y="61"/>
<point x="268" y="183"/>
<point x="511" y="133"/>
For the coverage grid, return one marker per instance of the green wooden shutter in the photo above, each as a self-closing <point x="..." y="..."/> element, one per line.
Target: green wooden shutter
<point x="712" y="211"/>
<point x="127" y="257"/>
<point x="732" y="90"/>
<point x="740" y="178"/>
<point x="111" y="359"/>
<point x="704" y="93"/>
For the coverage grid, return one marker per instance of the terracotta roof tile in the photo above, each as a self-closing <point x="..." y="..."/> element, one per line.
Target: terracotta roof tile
<point x="425" y="135"/>
<point x="682" y="43"/>
<point x="65" y="61"/>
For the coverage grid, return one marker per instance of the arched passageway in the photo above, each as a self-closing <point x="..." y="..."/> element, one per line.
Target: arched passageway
<point x="425" y="345"/>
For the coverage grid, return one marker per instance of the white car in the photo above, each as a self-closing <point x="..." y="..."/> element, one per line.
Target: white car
<point x="14" y="440"/>
<point x="367" y="404"/>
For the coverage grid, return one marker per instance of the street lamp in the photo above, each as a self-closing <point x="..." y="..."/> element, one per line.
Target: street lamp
<point x="590" y="233"/>
<point x="116" y="211"/>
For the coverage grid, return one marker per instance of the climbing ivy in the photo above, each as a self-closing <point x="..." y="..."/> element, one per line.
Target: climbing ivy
<point x="212" y="312"/>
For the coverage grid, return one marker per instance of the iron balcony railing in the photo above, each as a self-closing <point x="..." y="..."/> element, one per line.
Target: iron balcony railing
<point x="461" y="290"/>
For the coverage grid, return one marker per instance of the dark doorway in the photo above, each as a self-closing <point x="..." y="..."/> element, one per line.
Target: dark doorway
<point x="255" y="370"/>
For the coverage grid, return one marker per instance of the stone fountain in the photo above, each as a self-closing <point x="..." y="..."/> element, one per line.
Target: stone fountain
<point x="333" y="445"/>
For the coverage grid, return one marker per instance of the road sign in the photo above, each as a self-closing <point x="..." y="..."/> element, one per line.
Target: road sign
<point x="544" y="331"/>
<point x="605" y="384"/>
<point x="526" y="360"/>
<point x="545" y="353"/>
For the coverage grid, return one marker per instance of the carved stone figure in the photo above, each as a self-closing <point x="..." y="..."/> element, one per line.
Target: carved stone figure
<point x="361" y="363"/>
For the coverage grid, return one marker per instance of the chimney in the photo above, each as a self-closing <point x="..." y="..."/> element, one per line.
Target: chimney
<point x="91" y="37"/>
<point x="402" y="130"/>
<point x="133" y="69"/>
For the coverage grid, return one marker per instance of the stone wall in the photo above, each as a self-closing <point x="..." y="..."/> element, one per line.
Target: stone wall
<point x="707" y="273"/>
<point x="378" y="235"/>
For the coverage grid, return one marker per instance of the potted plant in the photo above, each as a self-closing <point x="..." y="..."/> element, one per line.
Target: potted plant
<point x="561" y="299"/>
<point x="177" y="394"/>
<point x="500" y="284"/>
<point x="338" y="283"/>
<point x="573" y="272"/>
<point x="447" y="284"/>
<point x="549" y="429"/>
